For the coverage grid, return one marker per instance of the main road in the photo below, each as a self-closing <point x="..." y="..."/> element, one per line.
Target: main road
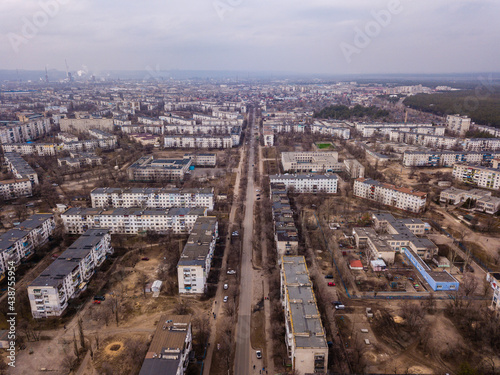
<point x="243" y="352"/>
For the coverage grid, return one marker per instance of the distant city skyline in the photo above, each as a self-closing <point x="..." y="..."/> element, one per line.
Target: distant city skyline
<point x="317" y="37"/>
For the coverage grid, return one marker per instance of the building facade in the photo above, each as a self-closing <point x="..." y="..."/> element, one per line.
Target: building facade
<point x="196" y="258"/>
<point x="326" y="183"/>
<point x="132" y="220"/>
<point x="149" y="169"/>
<point x="68" y="275"/>
<point x="399" y="197"/>
<point x="477" y="176"/>
<point x="152" y="197"/>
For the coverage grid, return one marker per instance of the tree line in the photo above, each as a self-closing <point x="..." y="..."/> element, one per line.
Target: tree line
<point x="343" y="112"/>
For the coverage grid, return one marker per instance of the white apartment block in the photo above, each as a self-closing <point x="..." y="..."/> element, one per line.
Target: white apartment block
<point x="149" y="169"/>
<point x="482" y="144"/>
<point x="69" y="274"/>
<point x="312" y="161"/>
<point x="152" y="197"/>
<point x="20" y="168"/>
<point x="207" y="129"/>
<point x="399" y="197"/>
<point x="141" y="128"/>
<point x="495" y="132"/>
<point x="446" y="158"/>
<point x="370" y="129"/>
<point x="20" y="242"/>
<point x="196" y="258"/>
<point x="67" y="137"/>
<point x="475" y="175"/>
<point x="40" y="149"/>
<point x="132" y="220"/>
<point x="198" y="141"/>
<point x="458" y="124"/>
<point x="335" y="129"/>
<point x="307" y="183"/>
<point x="20" y="132"/>
<point x="268" y="136"/>
<point x="172" y="119"/>
<point x="305" y="337"/>
<point x="12" y="189"/>
<point x="354" y="168"/>
<point x="83" y="125"/>
<point x="90" y="144"/>
<point x="149" y="120"/>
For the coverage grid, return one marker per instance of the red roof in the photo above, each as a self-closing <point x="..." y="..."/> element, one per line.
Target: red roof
<point x="355" y="264"/>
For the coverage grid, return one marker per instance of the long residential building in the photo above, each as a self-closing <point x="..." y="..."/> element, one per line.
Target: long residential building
<point x="12" y="189"/>
<point x="152" y="197"/>
<point x="335" y="129"/>
<point x="305" y="336"/>
<point x="476" y="175"/>
<point x="285" y="231"/>
<point x="20" y="167"/>
<point x="169" y="350"/>
<point x="399" y="197"/>
<point x="20" y="242"/>
<point x="148" y="169"/>
<point x="68" y="275"/>
<point x="132" y="220"/>
<point x="307" y="183"/>
<point x="196" y="258"/>
<point x="312" y="161"/>
<point x="20" y="132"/>
<point x="446" y="158"/>
<point x="83" y="125"/>
<point x="40" y="149"/>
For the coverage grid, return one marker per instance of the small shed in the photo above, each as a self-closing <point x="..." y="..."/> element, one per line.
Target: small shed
<point x="156" y="286"/>
<point x="378" y="265"/>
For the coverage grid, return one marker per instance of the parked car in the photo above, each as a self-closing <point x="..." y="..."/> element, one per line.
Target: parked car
<point x="336" y="303"/>
<point x="226" y="287"/>
<point x="97" y="302"/>
<point x="225" y="299"/>
<point x="258" y="353"/>
<point x="145" y="258"/>
<point x="331" y="284"/>
<point x="339" y="307"/>
<point x="329" y="277"/>
<point x="99" y="298"/>
<point x="231" y="272"/>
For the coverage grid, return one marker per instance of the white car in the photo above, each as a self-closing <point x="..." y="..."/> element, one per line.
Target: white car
<point x="225" y="299"/>
<point x="226" y="287"/>
<point x="258" y="353"/>
<point x="231" y="272"/>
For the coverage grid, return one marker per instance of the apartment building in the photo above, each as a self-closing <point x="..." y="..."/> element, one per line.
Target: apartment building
<point x="21" y="132"/>
<point x="66" y="137"/>
<point x="399" y="197"/>
<point x="354" y="168"/>
<point x="67" y="276"/>
<point x="78" y="160"/>
<point x="83" y="125"/>
<point x="476" y="175"/>
<point x="131" y="220"/>
<point x="40" y="149"/>
<point x="153" y="197"/>
<point x="12" y="189"/>
<point x="19" y="243"/>
<point x="385" y="129"/>
<point x="494" y="280"/>
<point x="458" y="124"/>
<point x="307" y="183"/>
<point x="148" y="169"/>
<point x="335" y="129"/>
<point x="203" y="160"/>
<point x="446" y="158"/>
<point x="305" y="336"/>
<point x="141" y="128"/>
<point x="169" y="350"/>
<point x="311" y="161"/>
<point x="268" y="136"/>
<point x="199" y="141"/>
<point x="196" y="258"/>
<point x="285" y="231"/>
<point x="20" y="168"/>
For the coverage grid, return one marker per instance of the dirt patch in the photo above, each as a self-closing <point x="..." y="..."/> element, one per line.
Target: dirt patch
<point x="114" y="348"/>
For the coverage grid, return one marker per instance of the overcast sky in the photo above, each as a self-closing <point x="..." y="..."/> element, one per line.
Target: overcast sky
<point x="313" y="36"/>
